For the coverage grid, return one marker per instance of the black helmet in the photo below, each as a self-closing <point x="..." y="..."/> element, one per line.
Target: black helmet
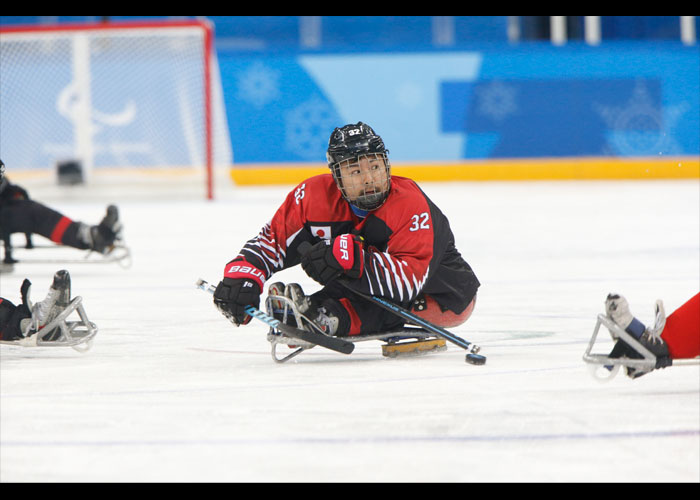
<point x="346" y="145"/>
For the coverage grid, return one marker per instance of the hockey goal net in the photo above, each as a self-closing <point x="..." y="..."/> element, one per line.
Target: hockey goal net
<point x="129" y="103"/>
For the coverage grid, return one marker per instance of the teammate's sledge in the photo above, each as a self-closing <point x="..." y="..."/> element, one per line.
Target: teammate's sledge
<point x="63" y="330"/>
<point x="119" y="254"/>
<point x="604" y="367"/>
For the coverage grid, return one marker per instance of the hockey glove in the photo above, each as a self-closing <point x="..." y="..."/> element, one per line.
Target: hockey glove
<point x="240" y="288"/>
<point x="329" y="259"/>
<point x="11" y="316"/>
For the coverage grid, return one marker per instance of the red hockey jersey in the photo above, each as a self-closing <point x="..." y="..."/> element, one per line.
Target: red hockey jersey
<point x="410" y="246"/>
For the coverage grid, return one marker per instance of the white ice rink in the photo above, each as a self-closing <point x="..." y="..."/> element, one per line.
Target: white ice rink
<point x="171" y="391"/>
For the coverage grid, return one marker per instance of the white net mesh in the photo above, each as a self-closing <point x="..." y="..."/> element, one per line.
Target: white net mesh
<point x="127" y="102"/>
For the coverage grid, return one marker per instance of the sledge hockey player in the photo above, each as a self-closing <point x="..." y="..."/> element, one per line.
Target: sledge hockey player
<point x="24" y="320"/>
<point x="378" y="233"/>
<point x="671" y="338"/>
<point x="20" y="214"/>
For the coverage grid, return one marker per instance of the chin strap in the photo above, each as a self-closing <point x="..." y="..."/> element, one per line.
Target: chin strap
<point x="358" y="211"/>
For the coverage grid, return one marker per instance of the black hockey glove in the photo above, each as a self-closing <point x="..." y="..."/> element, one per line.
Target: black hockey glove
<point x="11" y="316"/>
<point x="329" y="259"/>
<point x="240" y="288"/>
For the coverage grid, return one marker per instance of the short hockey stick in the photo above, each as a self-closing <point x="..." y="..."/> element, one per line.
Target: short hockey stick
<point x="333" y="343"/>
<point x="472" y="349"/>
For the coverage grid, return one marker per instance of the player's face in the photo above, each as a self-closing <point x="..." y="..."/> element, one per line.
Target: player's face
<point x="365" y="176"/>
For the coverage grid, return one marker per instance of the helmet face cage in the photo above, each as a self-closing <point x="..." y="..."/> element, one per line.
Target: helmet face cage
<point x="360" y="166"/>
<point x="364" y="181"/>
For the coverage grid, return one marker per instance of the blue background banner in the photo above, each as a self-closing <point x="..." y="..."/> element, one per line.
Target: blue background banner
<point x="622" y="100"/>
<point x="438" y="89"/>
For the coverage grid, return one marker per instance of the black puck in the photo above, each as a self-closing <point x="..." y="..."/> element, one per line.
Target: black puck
<point x="475" y="359"/>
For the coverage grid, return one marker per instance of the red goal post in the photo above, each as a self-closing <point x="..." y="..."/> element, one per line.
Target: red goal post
<point x="117" y="96"/>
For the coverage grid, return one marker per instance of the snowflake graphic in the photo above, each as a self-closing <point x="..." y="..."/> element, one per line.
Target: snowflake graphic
<point x="259" y="85"/>
<point x="307" y="128"/>
<point x="496" y="100"/>
<point x="639" y="127"/>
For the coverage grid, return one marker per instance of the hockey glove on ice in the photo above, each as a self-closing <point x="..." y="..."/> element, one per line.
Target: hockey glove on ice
<point x="329" y="259"/>
<point x="11" y="316"/>
<point x="240" y="288"/>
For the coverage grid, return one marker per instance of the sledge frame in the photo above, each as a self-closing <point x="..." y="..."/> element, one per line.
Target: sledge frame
<point x="647" y="363"/>
<point x="120" y="254"/>
<point x="285" y="310"/>
<point x="76" y="334"/>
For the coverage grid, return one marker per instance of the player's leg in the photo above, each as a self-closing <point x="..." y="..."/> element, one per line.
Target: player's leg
<point x="331" y="311"/>
<point x="29" y="216"/>
<point x="682" y="330"/>
<point x="674" y="337"/>
<point x="427" y="308"/>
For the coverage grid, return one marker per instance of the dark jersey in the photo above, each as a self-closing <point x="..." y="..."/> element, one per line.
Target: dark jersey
<point x="410" y="246"/>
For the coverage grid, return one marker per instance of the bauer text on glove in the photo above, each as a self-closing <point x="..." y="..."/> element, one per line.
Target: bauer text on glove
<point x="329" y="259"/>
<point x="240" y="288"/>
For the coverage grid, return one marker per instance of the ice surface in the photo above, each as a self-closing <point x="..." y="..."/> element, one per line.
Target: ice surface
<point x="171" y="391"/>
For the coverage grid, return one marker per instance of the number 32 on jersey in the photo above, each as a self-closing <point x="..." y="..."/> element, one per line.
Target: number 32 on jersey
<point x="420" y="221"/>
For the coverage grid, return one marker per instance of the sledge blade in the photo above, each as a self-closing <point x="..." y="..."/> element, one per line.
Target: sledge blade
<point x="414" y="348"/>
